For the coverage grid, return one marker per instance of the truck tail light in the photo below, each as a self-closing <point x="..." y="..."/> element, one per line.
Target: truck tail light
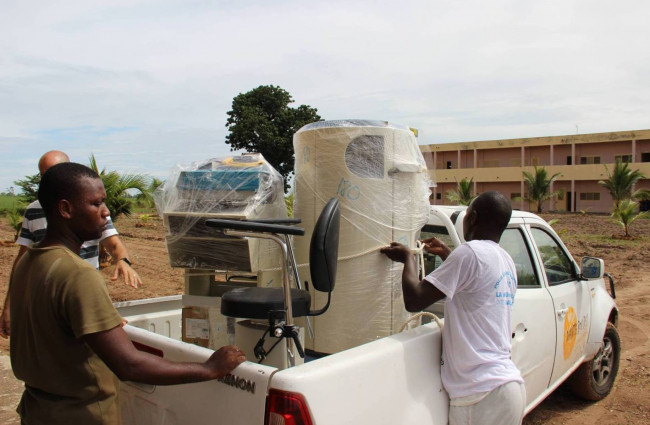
<point x="285" y="408"/>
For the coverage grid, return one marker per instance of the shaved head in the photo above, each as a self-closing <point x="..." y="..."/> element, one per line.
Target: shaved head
<point x="51" y="158"/>
<point x="487" y="217"/>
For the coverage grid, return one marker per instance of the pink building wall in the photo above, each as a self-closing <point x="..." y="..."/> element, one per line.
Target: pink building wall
<point x="588" y="205"/>
<point x="507" y="157"/>
<point x="443" y="158"/>
<point x="467" y="159"/>
<point x="605" y="151"/>
<point x="561" y="154"/>
<point x="642" y="150"/>
<point x="537" y="155"/>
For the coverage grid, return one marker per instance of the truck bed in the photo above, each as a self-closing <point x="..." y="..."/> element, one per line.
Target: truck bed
<point x="381" y="382"/>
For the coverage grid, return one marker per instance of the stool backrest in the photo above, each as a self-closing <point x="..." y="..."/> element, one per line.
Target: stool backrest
<point x="324" y="247"/>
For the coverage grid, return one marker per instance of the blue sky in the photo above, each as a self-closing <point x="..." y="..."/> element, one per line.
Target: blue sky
<point x="145" y="85"/>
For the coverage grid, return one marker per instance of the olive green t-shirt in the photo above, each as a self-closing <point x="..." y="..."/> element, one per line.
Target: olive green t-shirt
<point x="56" y="299"/>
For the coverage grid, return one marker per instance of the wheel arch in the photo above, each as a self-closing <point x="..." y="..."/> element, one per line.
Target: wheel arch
<point x="603" y="311"/>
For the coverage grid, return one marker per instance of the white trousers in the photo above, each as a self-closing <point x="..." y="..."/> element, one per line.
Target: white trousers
<point x="504" y="405"/>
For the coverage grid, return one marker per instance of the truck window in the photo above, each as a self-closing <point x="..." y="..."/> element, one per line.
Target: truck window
<point x="557" y="264"/>
<point x="513" y="242"/>
<point x="432" y="262"/>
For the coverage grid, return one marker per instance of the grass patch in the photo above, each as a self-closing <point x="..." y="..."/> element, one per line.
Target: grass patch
<point x="10" y="204"/>
<point x="605" y="240"/>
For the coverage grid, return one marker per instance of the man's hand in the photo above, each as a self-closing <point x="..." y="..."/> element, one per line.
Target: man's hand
<point x="436" y="247"/>
<point x="130" y="276"/>
<point x="118" y="251"/>
<point x="417" y="294"/>
<point x="396" y="252"/>
<point x="224" y="360"/>
<point x="5" y="323"/>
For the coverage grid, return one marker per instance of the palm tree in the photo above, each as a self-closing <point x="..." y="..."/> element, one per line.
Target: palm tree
<point x="625" y="214"/>
<point x="146" y="199"/>
<point x="620" y="183"/>
<point x="117" y="186"/>
<point x="288" y="201"/>
<point x="539" y="186"/>
<point x="462" y="195"/>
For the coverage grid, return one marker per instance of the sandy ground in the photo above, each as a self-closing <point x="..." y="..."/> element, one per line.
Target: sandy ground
<point x="585" y="235"/>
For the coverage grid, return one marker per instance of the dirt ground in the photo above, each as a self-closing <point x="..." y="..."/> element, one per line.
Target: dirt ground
<point x="585" y="235"/>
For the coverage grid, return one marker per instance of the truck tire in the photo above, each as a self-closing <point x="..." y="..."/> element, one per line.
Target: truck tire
<point x="594" y="379"/>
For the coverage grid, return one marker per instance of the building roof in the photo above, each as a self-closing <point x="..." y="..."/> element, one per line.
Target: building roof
<point x="540" y="141"/>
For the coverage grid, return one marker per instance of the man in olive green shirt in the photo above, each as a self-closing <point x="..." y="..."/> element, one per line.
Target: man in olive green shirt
<point x="67" y="343"/>
<point x="65" y="299"/>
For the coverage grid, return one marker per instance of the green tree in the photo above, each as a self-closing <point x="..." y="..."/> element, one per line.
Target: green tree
<point x="262" y="121"/>
<point x="29" y="187"/>
<point x="462" y="195"/>
<point x="620" y="183"/>
<point x="146" y="199"/>
<point x="117" y="186"/>
<point x="625" y="214"/>
<point x="538" y="185"/>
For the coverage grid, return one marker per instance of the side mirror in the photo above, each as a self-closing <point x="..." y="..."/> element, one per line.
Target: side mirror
<point x="592" y="268"/>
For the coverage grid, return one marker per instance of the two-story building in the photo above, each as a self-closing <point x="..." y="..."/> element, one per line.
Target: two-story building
<point x="580" y="159"/>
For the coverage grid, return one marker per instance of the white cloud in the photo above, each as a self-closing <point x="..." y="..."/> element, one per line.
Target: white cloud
<point x="147" y="84"/>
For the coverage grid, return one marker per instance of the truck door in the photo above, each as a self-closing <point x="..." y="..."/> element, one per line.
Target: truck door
<point x="533" y="323"/>
<point x="570" y="301"/>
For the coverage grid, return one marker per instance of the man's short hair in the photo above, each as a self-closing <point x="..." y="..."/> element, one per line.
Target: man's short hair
<point x="62" y="181"/>
<point x="493" y="210"/>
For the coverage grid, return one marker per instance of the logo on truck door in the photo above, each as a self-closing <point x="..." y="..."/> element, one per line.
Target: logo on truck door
<point x="575" y="332"/>
<point x="570" y="332"/>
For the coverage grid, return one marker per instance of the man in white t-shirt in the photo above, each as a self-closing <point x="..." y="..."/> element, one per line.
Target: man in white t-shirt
<point x="33" y="230"/>
<point x="478" y="280"/>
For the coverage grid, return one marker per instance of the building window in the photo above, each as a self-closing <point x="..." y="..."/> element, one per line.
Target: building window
<point x="449" y="165"/>
<point x="623" y="158"/>
<point x="589" y="196"/>
<point x="645" y="157"/>
<point x="515" y="196"/>
<point x="568" y="160"/>
<point x="589" y="160"/>
<point x="438" y="196"/>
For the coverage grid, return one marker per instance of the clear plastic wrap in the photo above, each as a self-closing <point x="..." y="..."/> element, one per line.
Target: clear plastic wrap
<point x="379" y="175"/>
<point x="238" y="187"/>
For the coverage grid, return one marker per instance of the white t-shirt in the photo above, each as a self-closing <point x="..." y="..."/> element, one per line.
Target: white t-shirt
<point x="479" y="282"/>
<point x="35" y="224"/>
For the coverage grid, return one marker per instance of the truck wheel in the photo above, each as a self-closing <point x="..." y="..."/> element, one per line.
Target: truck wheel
<point x="594" y="379"/>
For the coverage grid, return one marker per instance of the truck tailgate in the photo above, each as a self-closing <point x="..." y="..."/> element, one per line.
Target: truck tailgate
<point x="394" y="380"/>
<point x="238" y="399"/>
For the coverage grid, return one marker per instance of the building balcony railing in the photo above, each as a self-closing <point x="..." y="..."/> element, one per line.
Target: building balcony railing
<point x="510" y="174"/>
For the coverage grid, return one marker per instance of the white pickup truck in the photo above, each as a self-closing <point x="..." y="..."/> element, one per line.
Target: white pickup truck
<point x="564" y="328"/>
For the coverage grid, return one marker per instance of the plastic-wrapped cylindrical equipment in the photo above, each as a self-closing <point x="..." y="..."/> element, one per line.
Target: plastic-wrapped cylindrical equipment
<point x="380" y="178"/>
<point x="239" y="187"/>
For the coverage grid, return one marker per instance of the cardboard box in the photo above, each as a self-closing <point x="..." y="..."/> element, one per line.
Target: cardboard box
<point x="203" y="323"/>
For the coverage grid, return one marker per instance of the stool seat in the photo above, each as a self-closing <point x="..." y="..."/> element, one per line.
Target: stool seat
<point x="255" y="303"/>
